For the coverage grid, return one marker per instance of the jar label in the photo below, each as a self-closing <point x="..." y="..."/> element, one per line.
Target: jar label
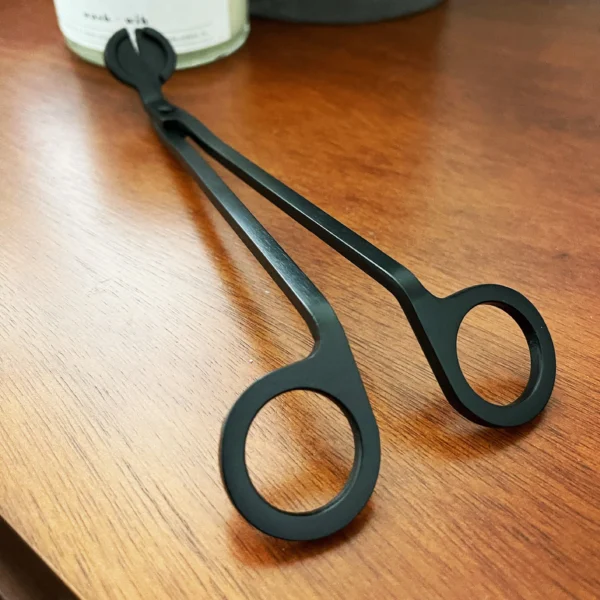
<point x="189" y="25"/>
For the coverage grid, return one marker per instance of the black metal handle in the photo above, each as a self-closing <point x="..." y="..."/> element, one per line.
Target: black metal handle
<point x="330" y="370"/>
<point x="317" y="373"/>
<point x="436" y="322"/>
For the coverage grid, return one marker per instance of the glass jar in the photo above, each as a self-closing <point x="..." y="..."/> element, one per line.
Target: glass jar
<point x="200" y="31"/>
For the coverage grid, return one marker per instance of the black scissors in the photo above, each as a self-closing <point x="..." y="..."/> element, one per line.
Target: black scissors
<point x="330" y="369"/>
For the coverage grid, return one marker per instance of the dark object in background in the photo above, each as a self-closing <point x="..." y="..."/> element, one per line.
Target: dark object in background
<point x="338" y="11"/>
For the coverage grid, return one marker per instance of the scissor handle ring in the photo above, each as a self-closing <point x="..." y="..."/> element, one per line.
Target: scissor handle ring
<point x="342" y="509"/>
<point x="442" y="332"/>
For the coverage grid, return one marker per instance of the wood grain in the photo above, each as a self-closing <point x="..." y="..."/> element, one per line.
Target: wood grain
<point x="464" y="142"/>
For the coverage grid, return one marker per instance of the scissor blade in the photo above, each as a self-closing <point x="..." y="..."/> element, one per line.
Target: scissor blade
<point x="151" y="60"/>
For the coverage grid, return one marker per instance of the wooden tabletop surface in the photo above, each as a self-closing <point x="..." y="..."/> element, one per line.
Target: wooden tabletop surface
<point x="466" y="144"/>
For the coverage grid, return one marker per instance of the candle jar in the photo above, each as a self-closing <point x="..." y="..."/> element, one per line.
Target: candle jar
<point x="200" y="31"/>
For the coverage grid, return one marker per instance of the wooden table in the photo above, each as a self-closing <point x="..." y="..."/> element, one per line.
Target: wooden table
<point x="465" y="143"/>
